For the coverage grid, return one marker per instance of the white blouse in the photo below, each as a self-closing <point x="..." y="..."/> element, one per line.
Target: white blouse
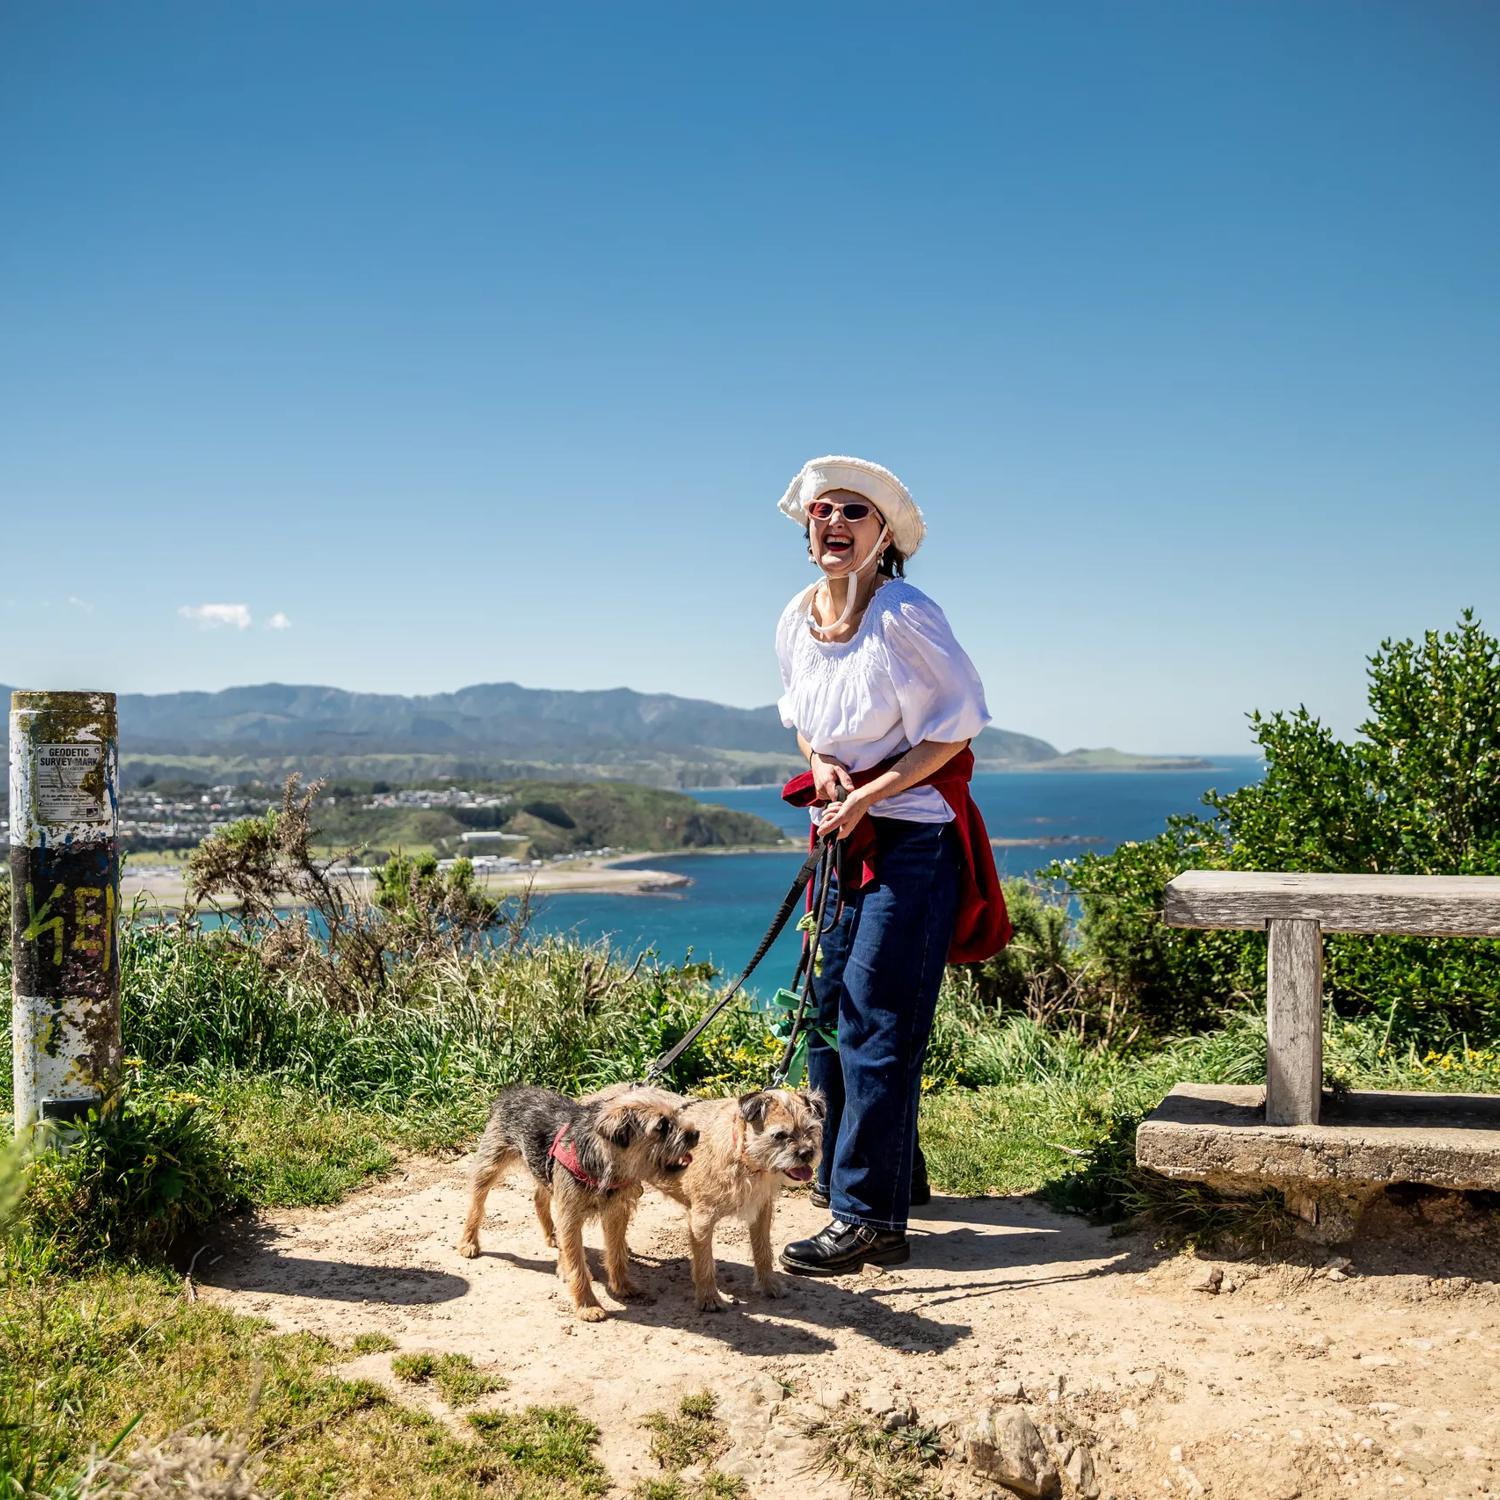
<point x="901" y="679"/>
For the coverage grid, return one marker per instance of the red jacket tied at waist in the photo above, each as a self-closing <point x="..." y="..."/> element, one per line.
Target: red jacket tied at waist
<point x="983" y="927"/>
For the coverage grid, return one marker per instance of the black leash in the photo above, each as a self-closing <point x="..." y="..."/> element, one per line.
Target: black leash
<point x="807" y="965"/>
<point x="822" y="854"/>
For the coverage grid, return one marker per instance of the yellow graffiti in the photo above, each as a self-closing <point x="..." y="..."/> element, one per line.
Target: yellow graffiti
<point x="40" y="922"/>
<point x="84" y="919"/>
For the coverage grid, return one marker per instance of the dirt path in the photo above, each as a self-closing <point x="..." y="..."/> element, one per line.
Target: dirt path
<point x="1284" y="1382"/>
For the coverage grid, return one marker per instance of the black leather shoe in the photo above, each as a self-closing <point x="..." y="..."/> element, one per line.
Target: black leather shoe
<point x="841" y="1248"/>
<point x="818" y="1197"/>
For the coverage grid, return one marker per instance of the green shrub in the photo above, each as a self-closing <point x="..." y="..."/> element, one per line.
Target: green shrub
<point x="427" y="910"/>
<point x="132" y="1182"/>
<point x="1038" y="972"/>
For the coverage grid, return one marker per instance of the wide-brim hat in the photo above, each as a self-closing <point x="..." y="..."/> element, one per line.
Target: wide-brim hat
<point x="879" y="486"/>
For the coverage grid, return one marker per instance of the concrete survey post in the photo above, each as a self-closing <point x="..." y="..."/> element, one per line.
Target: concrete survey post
<point x="65" y="902"/>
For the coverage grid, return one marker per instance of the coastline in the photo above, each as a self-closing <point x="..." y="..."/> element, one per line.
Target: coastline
<point x="796" y="846"/>
<point x="1142" y="765"/>
<point x="166" y="888"/>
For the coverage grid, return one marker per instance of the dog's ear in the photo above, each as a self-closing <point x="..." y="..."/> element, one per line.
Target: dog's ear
<point x="816" y="1103"/>
<point x="753" y="1107"/>
<point x="618" y="1124"/>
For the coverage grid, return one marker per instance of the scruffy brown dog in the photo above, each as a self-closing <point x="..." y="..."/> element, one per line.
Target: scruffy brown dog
<point x="747" y="1147"/>
<point x="587" y="1159"/>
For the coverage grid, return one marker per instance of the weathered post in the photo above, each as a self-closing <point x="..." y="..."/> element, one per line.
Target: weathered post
<point x="65" y="899"/>
<point x="1294" y="1021"/>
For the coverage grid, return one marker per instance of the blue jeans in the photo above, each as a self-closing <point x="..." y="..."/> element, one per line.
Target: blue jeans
<point x="882" y="966"/>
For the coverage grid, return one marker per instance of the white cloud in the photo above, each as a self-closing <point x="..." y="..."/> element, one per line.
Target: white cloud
<point x="278" y="621"/>
<point x="82" y="604"/>
<point x="212" y="616"/>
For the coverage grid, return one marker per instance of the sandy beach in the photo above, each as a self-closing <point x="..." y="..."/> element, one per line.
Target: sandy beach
<point x="166" y="886"/>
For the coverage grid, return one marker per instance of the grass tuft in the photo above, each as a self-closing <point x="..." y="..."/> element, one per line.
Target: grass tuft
<point x="691" y="1436"/>
<point x="415" y="1369"/>
<point x="718" y="1486"/>
<point x="551" y="1444"/>
<point x="668" y="1488"/>
<point x="372" y="1343"/>
<point x="459" y="1382"/>
<point x="879" y="1464"/>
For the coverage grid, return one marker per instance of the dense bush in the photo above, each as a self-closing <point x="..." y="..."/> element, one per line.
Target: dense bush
<point x="152" y="1168"/>
<point x="305" y="918"/>
<point x="1418" y="793"/>
<point x="1037" y="973"/>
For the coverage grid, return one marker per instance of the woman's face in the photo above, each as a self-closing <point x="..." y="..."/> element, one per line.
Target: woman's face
<point x="838" y="544"/>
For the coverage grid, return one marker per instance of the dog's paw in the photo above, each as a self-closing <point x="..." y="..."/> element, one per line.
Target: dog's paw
<point x="713" y="1303"/>
<point x="591" y="1315"/>
<point x="769" y="1288"/>
<point x="628" y="1291"/>
<point x="469" y="1249"/>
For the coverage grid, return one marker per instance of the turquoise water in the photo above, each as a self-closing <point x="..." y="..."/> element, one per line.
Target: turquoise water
<point x="722" y="914"/>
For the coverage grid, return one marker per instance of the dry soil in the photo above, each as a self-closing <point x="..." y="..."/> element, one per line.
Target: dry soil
<point x="1379" y="1378"/>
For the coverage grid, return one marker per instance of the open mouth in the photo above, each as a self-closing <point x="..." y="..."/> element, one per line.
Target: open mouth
<point x="681" y="1164"/>
<point x="799" y="1174"/>
<point x="838" y="544"/>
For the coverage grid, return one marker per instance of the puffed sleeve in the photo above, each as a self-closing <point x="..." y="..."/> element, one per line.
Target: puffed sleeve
<point x="940" y="694"/>
<point x="785" y="628"/>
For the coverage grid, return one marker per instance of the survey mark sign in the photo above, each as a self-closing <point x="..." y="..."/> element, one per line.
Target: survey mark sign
<point x="68" y="783"/>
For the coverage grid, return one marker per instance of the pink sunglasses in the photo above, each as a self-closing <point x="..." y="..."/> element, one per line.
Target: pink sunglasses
<point x="854" y="510"/>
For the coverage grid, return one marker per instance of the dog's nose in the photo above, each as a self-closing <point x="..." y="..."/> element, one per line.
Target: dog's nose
<point x="806" y="1153"/>
<point x="690" y="1138"/>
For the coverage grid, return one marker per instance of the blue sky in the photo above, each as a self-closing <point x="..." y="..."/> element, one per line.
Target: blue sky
<point x="477" y="341"/>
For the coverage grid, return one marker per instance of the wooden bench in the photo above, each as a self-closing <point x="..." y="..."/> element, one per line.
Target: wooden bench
<point x="1295" y="911"/>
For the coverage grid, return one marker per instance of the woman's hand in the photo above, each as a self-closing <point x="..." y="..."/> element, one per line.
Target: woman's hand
<point x="828" y="776"/>
<point x="842" y="816"/>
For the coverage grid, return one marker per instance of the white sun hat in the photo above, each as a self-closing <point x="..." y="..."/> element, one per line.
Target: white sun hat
<point x="879" y="486"/>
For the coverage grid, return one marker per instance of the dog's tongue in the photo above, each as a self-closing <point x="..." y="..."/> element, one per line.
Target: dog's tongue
<point x="799" y="1174"/>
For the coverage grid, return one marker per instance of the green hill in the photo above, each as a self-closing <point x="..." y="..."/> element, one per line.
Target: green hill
<point x="538" y="819"/>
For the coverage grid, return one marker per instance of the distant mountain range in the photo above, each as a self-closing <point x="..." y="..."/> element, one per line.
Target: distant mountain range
<point x="491" y="729"/>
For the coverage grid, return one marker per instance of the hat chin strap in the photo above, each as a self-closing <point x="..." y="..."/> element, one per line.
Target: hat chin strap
<point x="851" y="588"/>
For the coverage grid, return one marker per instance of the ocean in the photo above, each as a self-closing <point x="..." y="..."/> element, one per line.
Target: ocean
<point x="722" y="914"/>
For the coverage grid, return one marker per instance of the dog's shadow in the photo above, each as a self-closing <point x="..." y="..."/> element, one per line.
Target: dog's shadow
<point x="962" y="1249"/>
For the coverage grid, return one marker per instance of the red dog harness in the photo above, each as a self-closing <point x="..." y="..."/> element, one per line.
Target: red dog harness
<point x="565" y="1154"/>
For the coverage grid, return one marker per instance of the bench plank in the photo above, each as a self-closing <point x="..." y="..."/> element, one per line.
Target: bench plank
<point x="1412" y="905"/>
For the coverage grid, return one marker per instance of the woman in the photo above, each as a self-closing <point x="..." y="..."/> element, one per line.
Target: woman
<point x="884" y="702"/>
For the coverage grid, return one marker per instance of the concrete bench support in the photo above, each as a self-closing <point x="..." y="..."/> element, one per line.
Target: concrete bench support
<point x="1294" y="1022"/>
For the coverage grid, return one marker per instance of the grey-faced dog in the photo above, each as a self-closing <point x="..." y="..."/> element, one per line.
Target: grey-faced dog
<point x="587" y="1160"/>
